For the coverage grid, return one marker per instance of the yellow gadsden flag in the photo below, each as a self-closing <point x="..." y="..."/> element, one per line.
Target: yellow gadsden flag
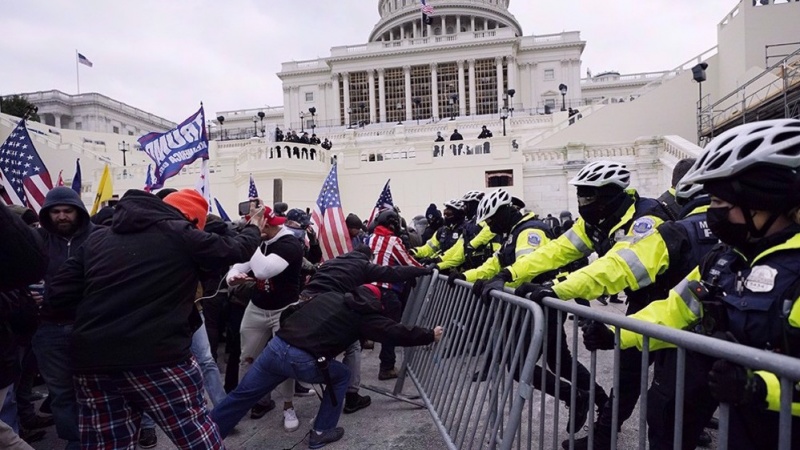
<point x="104" y="190"/>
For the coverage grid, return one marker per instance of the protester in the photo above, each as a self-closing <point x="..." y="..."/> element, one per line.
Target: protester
<point x="275" y="268"/>
<point x="485" y="133"/>
<point x="305" y="347"/>
<point x="24" y="262"/>
<point x="133" y="286"/>
<point x="65" y="227"/>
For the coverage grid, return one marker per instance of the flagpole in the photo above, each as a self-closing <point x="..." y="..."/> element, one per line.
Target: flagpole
<point x="77" y="71"/>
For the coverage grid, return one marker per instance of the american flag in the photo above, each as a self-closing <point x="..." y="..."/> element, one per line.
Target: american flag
<point x="22" y="172"/>
<point x="148" y="182"/>
<point x="84" y="60"/>
<point x="328" y="218"/>
<point x="203" y="185"/>
<point x="427" y="12"/>
<point x="252" y="192"/>
<point x="384" y="202"/>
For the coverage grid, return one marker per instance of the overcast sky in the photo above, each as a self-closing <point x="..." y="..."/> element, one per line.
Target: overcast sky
<point x="166" y="56"/>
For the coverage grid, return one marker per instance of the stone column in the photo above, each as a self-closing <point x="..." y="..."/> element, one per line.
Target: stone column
<point x="414" y="29"/>
<point x="407" y="73"/>
<point x="391" y="34"/>
<point x="371" y="89"/>
<point x="434" y="91"/>
<point x="458" y="24"/>
<point x="346" y="83"/>
<point x="472" y="23"/>
<point x="381" y="95"/>
<point x="462" y="104"/>
<point x="287" y="115"/>
<point x="512" y="77"/>
<point x="500" y="91"/>
<point x="533" y="84"/>
<point x="57" y="118"/>
<point x="473" y="104"/>
<point x="333" y="106"/>
<point x="430" y="30"/>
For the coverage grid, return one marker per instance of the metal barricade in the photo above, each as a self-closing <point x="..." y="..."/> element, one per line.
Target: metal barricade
<point x="786" y="368"/>
<point x="476" y="381"/>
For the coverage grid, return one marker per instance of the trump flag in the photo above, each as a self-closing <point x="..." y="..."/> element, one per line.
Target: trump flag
<point x="177" y="147"/>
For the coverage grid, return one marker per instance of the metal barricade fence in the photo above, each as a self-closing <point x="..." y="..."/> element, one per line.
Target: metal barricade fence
<point x="476" y="380"/>
<point x="786" y="368"/>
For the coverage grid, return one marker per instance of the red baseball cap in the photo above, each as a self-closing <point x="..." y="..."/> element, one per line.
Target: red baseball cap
<point x="271" y="218"/>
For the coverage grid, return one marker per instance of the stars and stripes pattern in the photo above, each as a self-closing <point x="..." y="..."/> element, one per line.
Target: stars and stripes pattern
<point x="148" y="182"/>
<point x="384" y="201"/>
<point x="328" y="218"/>
<point x="203" y="185"/>
<point x="84" y="60"/>
<point x="22" y="172"/>
<point x="426" y="8"/>
<point x="252" y="192"/>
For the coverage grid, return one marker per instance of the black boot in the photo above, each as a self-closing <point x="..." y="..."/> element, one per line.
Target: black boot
<point x="353" y="402"/>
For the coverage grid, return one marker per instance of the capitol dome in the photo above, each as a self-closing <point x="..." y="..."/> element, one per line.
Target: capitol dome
<point x="402" y="18"/>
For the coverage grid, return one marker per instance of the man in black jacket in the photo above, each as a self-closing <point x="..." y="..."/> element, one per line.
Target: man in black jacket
<point x="133" y="288"/>
<point x="305" y="346"/>
<point x="343" y="274"/>
<point x="65" y="227"/>
<point x="23" y="262"/>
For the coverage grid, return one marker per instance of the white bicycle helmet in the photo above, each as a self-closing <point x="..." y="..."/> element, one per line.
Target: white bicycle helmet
<point x="472" y="196"/>
<point x="603" y="173"/>
<point x="455" y="203"/>
<point x="685" y="191"/>
<point x="491" y="203"/>
<point x="769" y="143"/>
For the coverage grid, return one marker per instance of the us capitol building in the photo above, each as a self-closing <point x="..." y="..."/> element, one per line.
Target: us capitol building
<point x="382" y="104"/>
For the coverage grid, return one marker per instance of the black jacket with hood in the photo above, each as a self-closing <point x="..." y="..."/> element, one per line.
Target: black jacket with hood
<point x="22" y="262"/>
<point x="60" y="248"/>
<point x="134" y="285"/>
<point x="331" y="322"/>
<point x="346" y="272"/>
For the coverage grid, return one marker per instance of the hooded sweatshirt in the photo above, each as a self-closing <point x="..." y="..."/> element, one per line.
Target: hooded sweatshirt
<point x="60" y="248"/>
<point x="134" y="285"/>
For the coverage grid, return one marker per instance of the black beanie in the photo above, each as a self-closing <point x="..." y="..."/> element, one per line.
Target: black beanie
<point x="680" y="170"/>
<point x="353" y="221"/>
<point x="765" y="188"/>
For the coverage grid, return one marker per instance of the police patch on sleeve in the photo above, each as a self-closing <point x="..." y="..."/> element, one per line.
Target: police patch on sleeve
<point x="643" y="226"/>
<point x="534" y="240"/>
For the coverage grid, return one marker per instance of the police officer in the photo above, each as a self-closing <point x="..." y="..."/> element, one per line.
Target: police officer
<point x="446" y="236"/>
<point x="477" y="242"/>
<point x="523" y="235"/>
<point x="658" y="259"/>
<point x="751" y="173"/>
<point x="611" y="216"/>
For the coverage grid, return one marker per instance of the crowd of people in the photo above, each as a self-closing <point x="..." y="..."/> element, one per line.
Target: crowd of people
<point x="303" y="138"/>
<point x="123" y="313"/>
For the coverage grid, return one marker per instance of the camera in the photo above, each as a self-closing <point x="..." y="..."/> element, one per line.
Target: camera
<point x="244" y="207"/>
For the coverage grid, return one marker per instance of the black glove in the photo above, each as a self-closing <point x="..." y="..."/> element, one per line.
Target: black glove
<point x="432" y="265"/>
<point x="498" y="282"/>
<point x="535" y="292"/>
<point x="597" y="336"/>
<point x="477" y="287"/>
<point x="451" y="279"/>
<point x="732" y="383"/>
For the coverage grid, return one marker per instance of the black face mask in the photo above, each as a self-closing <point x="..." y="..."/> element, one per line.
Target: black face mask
<point x="734" y="234"/>
<point x="453" y="220"/>
<point x="503" y="220"/>
<point x="593" y="213"/>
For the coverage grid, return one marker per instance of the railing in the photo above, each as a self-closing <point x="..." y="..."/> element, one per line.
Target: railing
<point x="381" y="46"/>
<point x="604" y="81"/>
<point x="477" y="379"/>
<point x="757" y="91"/>
<point x="459" y="148"/>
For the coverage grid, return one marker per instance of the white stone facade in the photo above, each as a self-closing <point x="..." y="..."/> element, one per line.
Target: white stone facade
<point x="95" y="113"/>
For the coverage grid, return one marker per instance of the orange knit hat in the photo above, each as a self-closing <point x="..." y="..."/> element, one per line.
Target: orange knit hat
<point x="191" y="204"/>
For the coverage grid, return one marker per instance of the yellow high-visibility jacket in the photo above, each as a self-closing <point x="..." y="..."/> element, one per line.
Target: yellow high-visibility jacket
<point x="575" y="244"/>
<point x="639" y="265"/>
<point x="454" y="257"/>
<point x="682" y="310"/>
<point x="525" y="237"/>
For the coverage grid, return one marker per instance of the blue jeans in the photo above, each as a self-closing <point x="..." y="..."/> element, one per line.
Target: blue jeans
<point x="212" y="380"/>
<point x="275" y="364"/>
<point x="51" y="346"/>
<point x="8" y="410"/>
